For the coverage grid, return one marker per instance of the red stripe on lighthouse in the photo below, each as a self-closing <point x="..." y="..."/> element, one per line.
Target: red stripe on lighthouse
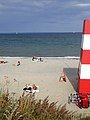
<point x="86" y="28"/>
<point x="85" y="56"/>
<point x="84" y="86"/>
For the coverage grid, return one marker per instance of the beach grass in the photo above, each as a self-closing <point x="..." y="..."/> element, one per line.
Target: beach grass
<point x="28" y="108"/>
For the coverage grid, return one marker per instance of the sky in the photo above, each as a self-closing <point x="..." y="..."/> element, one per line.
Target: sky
<point x="43" y="15"/>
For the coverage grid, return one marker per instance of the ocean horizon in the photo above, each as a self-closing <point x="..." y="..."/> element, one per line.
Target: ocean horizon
<point x="40" y="44"/>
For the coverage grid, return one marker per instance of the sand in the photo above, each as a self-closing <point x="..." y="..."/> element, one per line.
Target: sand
<point x="44" y="74"/>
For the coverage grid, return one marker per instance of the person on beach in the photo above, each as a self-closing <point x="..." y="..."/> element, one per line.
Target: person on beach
<point x="31" y="89"/>
<point x="62" y="77"/>
<point x="41" y="60"/>
<point x="34" y="58"/>
<point x="27" y="88"/>
<point x="3" y="61"/>
<point x="18" y="63"/>
<point x="34" y="87"/>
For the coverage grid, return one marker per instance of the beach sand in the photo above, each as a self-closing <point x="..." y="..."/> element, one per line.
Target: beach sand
<point x="44" y="74"/>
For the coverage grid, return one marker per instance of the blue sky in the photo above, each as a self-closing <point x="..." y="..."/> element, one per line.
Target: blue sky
<point x="43" y="15"/>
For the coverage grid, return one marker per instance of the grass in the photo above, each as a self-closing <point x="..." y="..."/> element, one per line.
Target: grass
<point x="28" y="108"/>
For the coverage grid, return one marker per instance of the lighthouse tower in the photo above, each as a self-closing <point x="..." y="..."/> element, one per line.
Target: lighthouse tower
<point x="84" y="66"/>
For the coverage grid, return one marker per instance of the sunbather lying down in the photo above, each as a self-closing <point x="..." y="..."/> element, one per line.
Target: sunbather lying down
<point x="3" y="61"/>
<point x="31" y="89"/>
<point x="37" y="59"/>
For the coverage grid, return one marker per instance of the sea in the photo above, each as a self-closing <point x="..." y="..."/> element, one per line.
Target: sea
<point x="40" y="44"/>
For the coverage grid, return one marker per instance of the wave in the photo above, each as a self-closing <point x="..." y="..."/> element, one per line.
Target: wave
<point x="65" y="57"/>
<point x="72" y="57"/>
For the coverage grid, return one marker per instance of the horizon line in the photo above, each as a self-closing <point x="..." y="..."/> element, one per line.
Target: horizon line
<point x="34" y="32"/>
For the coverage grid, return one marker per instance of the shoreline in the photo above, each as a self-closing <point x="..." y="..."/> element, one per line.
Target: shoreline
<point x="65" y="57"/>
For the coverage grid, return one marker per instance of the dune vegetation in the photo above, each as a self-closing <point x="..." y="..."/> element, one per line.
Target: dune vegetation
<point x="28" y="108"/>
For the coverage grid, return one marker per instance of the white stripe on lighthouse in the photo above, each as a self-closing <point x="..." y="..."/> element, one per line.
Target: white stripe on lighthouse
<point x="85" y="44"/>
<point x="84" y="71"/>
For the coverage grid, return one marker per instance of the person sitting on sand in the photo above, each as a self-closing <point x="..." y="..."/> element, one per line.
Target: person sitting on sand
<point x="34" y="87"/>
<point x="41" y="60"/>
<point x="34" y="58"/>
<point x="62" y="77"/>
<point x="18" y="63"/>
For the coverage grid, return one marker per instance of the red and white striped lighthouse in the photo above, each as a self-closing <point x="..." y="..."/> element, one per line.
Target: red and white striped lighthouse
<point x="84" y="67"/>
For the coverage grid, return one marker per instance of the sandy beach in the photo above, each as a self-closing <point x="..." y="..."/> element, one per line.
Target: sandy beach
<point x="44" y="74"/>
